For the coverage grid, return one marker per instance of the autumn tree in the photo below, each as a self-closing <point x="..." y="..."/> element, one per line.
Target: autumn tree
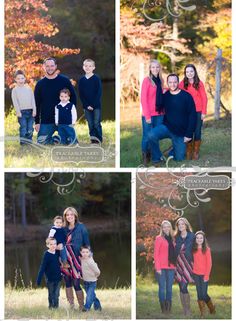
<point x="25" y="23"/>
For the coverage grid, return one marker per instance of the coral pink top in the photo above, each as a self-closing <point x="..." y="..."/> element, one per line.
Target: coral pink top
<point x="161" y="249"/>
<point x="202" y="263"/>
<point x="148" y="99"/>
<point x="199" y="96"/>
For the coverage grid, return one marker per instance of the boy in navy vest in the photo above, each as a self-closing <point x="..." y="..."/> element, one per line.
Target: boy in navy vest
<point x="90" y="92"/>
<point x="65" y="118"/>
<point x="58" y="233"/>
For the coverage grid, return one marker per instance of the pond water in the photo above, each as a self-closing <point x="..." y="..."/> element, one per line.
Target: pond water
<point x="108" y="101"/>
<point x="112" y="252"/>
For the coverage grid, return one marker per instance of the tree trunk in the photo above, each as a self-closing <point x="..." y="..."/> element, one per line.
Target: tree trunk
<point x="22" y="201"/>
<point x="218" y="83"/>
<point x="175" y="33"/>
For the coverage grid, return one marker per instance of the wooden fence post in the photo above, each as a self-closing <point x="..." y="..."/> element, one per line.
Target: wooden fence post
<point x="218" y="83"/>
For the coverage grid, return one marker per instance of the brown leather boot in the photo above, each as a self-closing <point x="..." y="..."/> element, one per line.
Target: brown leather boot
<point x="163" y="306"/>
<point x="185" y="300"/>
<point x="189" y="150"/>
<point x="80" y="298"/>
<point x="70" y="297"/>
<point x="211" y="307"/>
<point x="196" y="148"/>
<point x="201" y="305"/>
<point x="146" y="159"/>
<point x="168" y="307"/>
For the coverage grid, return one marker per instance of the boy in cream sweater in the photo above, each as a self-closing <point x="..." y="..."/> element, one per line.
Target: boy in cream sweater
<point x="90" y="272"/>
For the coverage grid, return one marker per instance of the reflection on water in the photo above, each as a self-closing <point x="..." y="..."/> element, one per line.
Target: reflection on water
<point x="112" y="252"/>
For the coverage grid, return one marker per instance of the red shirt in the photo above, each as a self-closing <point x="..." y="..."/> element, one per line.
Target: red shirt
<point x="161" y="249"/>
<point x="199" y="96"/>
<point x="202" y="263"/>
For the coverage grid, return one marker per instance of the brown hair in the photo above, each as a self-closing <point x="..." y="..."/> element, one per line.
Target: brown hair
<point x="19" y="72"/>
<point x="161" y="229"/>
<point x="186" y="222"/>
<point x="65" y="91"/>
<point x="87" y="247"/>
<point x="50" y="58"/>
<point x="204" y="244"/>
<point x="58" y="217"/>
<point x="196" y="79"/>
<point x="73" y="210"/>
<point x="50" y="239"/>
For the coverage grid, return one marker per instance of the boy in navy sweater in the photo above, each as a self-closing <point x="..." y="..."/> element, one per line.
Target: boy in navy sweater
<point x="50" y="266"/>
<point x="58" y="233"/>
<point x="65" y="118"/>
<point x="179" y="121"/>
<point x="90" y="92"/>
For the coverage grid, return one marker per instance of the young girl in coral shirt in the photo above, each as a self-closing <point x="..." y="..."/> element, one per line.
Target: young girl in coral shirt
<point x="202" y="264"/>
<point x="193" y="85"/>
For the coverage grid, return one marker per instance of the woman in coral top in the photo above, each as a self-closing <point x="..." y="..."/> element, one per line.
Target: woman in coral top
<point x="164" y="260"/>
<point x="192" y="84"/>
<point x="202" y="264"/>
<point x="151" y="99"/>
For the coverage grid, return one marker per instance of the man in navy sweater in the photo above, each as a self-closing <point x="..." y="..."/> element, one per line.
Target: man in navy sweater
<point x="178" y="124"/>
<point x="47" y="92"/>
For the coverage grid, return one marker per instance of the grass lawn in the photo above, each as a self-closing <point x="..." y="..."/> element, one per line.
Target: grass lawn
<point x="215" y="149"/>
<point x="147" y="303"/>
<point x="32" y="304"/>
<point x="32" y="156"/>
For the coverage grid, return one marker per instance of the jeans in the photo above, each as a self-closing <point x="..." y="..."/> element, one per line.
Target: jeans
<point x="63" y="255"/>
<point x="160" y="132"/>
<point x="72" y="282"/>
<point x="26" y="122"/>
<point x="165" y="281"/>
<point x="183" y="287"/>
<point x="198" y="129"/>
<point x="53" y="293"/>
<point x="155" y="121"/>
<point x="94" y="122"/>
<point x="91" y="298"/>
<point x="45" y="134"/>
<point x="201" y="287"/>
<point x="67" y="134"/>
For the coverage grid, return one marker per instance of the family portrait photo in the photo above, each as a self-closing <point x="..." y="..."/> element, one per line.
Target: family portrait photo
<point x="68" y="246"/>
<point x="175" y="83"/>
<point x="183" y="248"/>
<point x="59" y="80"/>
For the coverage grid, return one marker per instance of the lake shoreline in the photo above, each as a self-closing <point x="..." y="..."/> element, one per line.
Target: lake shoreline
<point x="19" y="234"/>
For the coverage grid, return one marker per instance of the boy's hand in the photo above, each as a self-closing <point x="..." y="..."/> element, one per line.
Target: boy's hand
<point x="187" y="139"/>
<point x="37" y="127"/>
<point x="34" y="114"/>
<point x="18" y="115"/>
<point x="90" y="108"/>
<point x="203" y="116"/>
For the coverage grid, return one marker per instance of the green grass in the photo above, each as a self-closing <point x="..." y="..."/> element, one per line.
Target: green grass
<point x="215" y="148"/>
<point x="147" y="304"/>
<point x="32" y="304"/>
<point x="17" y="156"/>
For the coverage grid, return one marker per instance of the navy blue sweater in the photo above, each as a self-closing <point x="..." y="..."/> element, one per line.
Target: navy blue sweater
<point x="47" y="92"/>
<point x="180" y="113"/>
<point x="50" y="266"/>
<point x="60" y="234"/>
<point x="90" y="91"/>
<point x="64" y="114"/>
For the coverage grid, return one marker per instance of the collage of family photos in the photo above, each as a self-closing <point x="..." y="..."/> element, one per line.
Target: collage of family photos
<point x="117" y="160"/>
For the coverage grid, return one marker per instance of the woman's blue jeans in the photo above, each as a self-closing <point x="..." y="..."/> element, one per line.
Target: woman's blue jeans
<point x="165" y="281"/>
<point x="155" y="121"/>
<point x="201" y="287"/>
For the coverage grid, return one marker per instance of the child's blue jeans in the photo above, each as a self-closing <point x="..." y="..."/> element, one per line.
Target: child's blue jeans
<point x="94" y="122"/>
<point x="53" y="293"/>
<point x="26" y="122"/>
<point x="67" y="134"/>
<point x="201" y="287"/>
<point x="63" y="255"/>
<point x="91" y="298"/>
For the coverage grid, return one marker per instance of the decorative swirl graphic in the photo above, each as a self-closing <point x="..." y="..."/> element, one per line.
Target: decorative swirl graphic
<point x="176" y="12"/>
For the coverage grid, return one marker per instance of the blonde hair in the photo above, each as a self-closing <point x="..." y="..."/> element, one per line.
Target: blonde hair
<point x="154" y="61"/>
<point x="73" y="210"/>
<point x="187" y="224"/>
<point x="49" y="239"/>
<point x="161" y="229"/>
<point x="89" y="60"/>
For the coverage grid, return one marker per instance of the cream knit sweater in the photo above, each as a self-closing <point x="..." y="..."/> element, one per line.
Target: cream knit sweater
<point x="90" y="270"/>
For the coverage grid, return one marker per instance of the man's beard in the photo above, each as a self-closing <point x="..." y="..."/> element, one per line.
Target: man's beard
<point x="51" y="73"/>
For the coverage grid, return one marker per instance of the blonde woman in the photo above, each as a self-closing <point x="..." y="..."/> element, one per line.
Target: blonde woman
<point x="165" y="259"/>
<point x="184" y="240"/>
<point x="151" y="101"/>
<point x="76" y="236"/>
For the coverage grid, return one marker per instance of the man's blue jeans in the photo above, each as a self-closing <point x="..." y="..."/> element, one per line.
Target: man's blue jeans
<point x="160" y="132"/>
<point x="165" y="281"/>
<point x="201" y="287"/>
<point x="155" y="121"/>
<point x="91" y="296"/>
<point x="67" y="134"/>
<point x="45" y="134"/>
<point x="53" y="293"/>
<point x="94" y="122"/>
<point x="26" y="122"/>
